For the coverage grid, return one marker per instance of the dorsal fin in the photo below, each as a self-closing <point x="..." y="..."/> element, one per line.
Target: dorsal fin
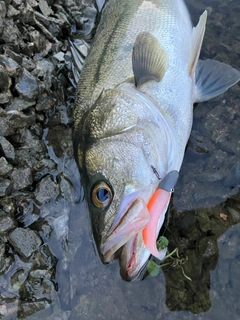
<point x="196" y="42"/>
<point x="149" y="59"/>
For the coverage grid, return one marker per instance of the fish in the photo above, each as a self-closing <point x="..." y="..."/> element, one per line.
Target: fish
<point x="132" y="120"/>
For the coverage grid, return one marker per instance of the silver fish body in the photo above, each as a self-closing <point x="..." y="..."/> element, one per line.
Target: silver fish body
<point x="133" y="116"/>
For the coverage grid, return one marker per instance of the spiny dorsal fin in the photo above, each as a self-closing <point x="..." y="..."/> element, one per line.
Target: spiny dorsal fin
<point x="196" y="42"/>
<point x="148" y="59"/>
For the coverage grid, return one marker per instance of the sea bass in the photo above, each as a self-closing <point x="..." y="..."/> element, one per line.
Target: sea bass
<point x="133" y="117"/>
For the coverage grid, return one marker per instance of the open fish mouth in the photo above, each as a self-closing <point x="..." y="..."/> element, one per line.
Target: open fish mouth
<point x="126" y="237"/>
<point x="132" y="217"/>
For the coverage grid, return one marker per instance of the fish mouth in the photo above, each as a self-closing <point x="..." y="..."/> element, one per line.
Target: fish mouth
<point x="128" y="233"/>
<point x="132" y="217"/>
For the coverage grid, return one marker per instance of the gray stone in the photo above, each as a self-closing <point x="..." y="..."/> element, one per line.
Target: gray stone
<point x="5" y="187"/>
<point x="67" y="189"/>
<point x="208" y="247"/>
<point x="235" y="215"/>
<point x="7" y="148"/>
<point x="28" y="64"/>
<point x="3" y="9"/>
<point x="13" y="55"/>
<point x="27" y="308"/>
<point x="14" y="120"/>
<point x="44" y="7"/>
<point x="46" y="190"/>
<point x="27" y="86"/>
<point x="5" y="97"/>
<point x="18" y="279"/>
<point x="25" y="241"/>
<point x="59" y="57"/>
<point x="43" y="258"/>
<point x="5" y="80"/>
<point x="8" y="205"/>
<point x="19" y="104"/>
<point x="12" y="12"/>
<point x="5" y="258"/>
<point x="45" y="103"/>
<point x="12" y="67"/>
<point x="22" y="178"/>
<point x="6" y="223"/>
<point x="5" y="167"/>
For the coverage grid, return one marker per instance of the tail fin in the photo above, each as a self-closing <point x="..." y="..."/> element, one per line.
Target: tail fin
<point x="213" y="78"/>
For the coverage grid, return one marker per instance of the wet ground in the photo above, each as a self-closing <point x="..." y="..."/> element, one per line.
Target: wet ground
<point x="48" y="264"/>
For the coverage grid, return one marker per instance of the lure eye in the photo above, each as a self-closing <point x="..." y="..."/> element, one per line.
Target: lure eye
<point x="101" y="195"/>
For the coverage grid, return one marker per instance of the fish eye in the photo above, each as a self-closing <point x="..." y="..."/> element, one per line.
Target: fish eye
<point x="101" y="195"/>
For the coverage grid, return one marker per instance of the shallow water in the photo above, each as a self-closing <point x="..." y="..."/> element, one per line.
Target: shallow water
<point x="203" y="224"/>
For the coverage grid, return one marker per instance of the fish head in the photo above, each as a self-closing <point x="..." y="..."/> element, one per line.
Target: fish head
<point x="118" y="180"/>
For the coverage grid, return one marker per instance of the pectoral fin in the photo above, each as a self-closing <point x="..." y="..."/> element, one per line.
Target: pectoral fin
<point x="196" y="42"/>
<point x="213" y="78"/>
<point x="148" y="59"/>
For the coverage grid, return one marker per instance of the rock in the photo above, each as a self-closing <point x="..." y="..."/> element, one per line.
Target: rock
<point x="7" y="148"/>
<point x="27" y="86"/>
<point x="6" y="259"/>
<point x="5" y="167"/>
<point x="19" y="104"/>
<point x="44" y="7"/>
<point x="43" y="258"/>
<point x="3" y="9"/>
<point x="22" y="178"/>
<point x="13" y="55"/>
<point x="208" y="248"/>
<point x="5" y="97"/>
<point x="46" y="190"/>
<point x="67" y="189"/>
<point x="8" y="205"/>
<point x="45" y="103"/>
<point x="26" y="309"/>
<point x="60" y="225"/>
<point x="209" y="177"/>
<point x="5" y="187"/>
<point x="28" y="64"/>
<point x="59" y="57"/>
<point x="25" y="241"/>
<point x="235" y="215"/>
<point x="18" y="279"/>
<point x="12" y="12"/>
<point x="6" y="223"/>
<point x="12" y="67"/>
<point x="14" y="120"/>
<point x="5" y="80"/>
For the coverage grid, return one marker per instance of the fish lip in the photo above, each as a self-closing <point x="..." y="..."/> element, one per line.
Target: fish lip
<point x="128" y="259"/>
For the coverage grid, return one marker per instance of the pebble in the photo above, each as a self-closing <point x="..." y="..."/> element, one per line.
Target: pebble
<point x="25" y="241"/>
<point x="6" y="223"/>
<point x="27" y="86"/>
<point x="3" y="9"/>
<point x="5" y="80"/>
<point x="5" y="167"/>
<point x="19" y="104"/>
<point x="5" y="187"/>
<point x="21" y="178"/>
<point x="7" y="148"/>
<point x="46" y="190"/>
<point x="12" y="67"/>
